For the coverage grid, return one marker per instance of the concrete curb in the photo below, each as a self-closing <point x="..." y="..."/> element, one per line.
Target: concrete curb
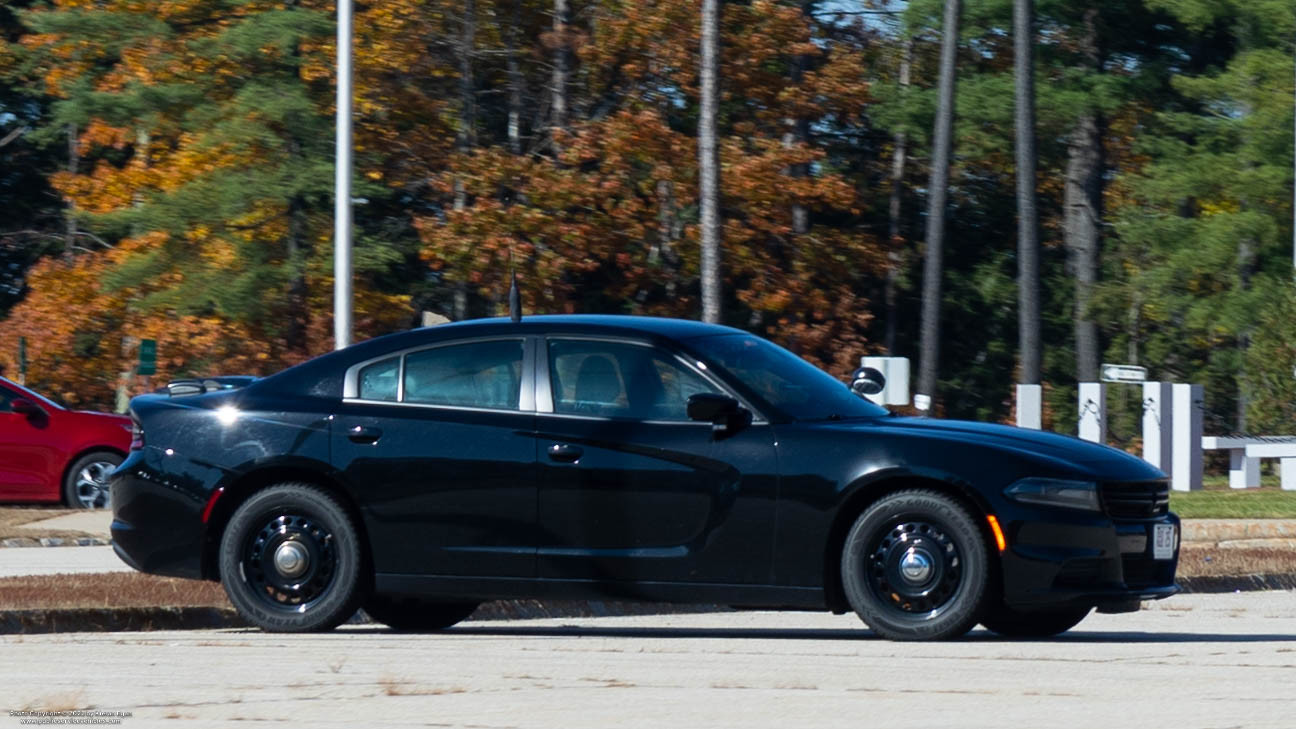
<point x="1238" y="583"/>
<point x="18" y="542"/>
<point x="1231" y="530"/>
<point x="102" y="620"/>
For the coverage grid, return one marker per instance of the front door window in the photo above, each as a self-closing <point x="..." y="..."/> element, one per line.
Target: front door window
<point x="620" y="380"/>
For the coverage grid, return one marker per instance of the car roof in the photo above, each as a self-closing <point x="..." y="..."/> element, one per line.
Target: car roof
<point x="662" y="326"/>
<point x="322" y="374"/>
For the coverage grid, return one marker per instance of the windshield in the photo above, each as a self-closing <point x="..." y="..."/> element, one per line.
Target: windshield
<point x="784" y="380"/>
<point x="32" y="394"/>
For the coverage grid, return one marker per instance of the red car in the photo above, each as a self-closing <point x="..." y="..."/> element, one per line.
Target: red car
<point x="50" y="453"/>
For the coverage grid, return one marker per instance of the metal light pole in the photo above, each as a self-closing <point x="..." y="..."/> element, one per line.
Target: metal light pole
<point x="342" y="184"/>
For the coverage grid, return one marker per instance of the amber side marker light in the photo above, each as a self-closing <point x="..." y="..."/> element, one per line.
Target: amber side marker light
<point x="998" y="533"/>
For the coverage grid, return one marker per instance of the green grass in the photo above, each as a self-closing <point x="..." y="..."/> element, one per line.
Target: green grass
<point x="1218" y="501"/>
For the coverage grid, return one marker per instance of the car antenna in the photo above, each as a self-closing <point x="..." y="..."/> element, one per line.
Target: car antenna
<point x="515" y="296"/>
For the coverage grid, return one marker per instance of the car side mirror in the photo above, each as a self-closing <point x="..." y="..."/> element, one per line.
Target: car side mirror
<point x="867" y="381"/>
<point x="724" y="413"/>
<point x="26" y="407"/>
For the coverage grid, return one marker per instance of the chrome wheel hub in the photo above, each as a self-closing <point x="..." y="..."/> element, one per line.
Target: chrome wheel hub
<point x="291" y="559"/>
<point x="915" y="567"/>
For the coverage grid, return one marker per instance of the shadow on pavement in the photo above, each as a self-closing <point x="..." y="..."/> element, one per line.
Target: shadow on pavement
<point x="579" y="631"/>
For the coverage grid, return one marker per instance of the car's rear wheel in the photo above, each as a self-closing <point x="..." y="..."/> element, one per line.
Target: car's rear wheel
<point x="291" y="560"/>
<point x="1013" y="623"/>
<point x="86" y="484"/>
<point x="414" y="615"/>
<point x="914" y="567"/>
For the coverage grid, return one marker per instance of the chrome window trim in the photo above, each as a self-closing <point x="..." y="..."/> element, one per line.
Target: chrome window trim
<point x="425" y="406"/>
<point x="526" y="390"/>
<point x="544" y="383"/>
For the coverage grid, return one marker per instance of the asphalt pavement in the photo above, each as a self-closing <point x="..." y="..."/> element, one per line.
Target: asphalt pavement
<point x="1193" y="661"/>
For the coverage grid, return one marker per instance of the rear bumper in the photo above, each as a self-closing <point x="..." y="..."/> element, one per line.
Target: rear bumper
<point x="157" y="521"/>
<point x="1086" y="560"/>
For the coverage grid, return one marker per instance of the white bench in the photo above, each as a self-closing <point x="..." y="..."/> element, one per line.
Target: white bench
<point x="1285" y="452"/>
<point x="1245" y="455"/>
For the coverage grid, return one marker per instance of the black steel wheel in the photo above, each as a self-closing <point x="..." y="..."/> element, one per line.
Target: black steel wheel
<point x="412" y="615"/>
<point x="914" y="567"/>
<point x="290" y="560"/>
<point x="1012" y="623"/>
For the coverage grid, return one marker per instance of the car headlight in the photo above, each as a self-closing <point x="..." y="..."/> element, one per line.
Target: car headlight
<point x="1055" y="492"/>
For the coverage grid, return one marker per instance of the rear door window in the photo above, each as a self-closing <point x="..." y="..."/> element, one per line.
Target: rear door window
<point x="486" y="374"/>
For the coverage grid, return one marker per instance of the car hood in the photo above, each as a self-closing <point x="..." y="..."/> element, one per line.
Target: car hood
<point x="1097" y="460"/>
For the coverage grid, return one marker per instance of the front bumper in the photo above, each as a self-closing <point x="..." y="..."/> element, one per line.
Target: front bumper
<point x="1086" y="559"/>
<point x="157" y="519"/>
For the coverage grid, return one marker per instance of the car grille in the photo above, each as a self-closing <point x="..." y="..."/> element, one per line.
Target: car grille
<point x="1136" y="500"/>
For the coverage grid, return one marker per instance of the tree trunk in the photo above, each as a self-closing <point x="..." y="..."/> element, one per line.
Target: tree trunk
<point x="560" y="55"/>
<point x="1028" y="247"/>
<point x="466" y="138"/>
<point x="74" y="157"/>
<point x="1082" y="233"/>
<point x="938" y="191"/>
<point x="797" y="132"/>
<point x="515" y="82"/>
<point x="708" y="162"/>
<point x="1082" y="224"/>
<point x="895" y="248"/>
<point x="1246" y="257"/>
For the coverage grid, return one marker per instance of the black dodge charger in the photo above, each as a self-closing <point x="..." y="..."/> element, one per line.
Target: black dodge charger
<point x="594" y="457"/>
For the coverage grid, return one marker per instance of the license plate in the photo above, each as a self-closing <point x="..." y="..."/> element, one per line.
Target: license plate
<point x="1163" y="541"/>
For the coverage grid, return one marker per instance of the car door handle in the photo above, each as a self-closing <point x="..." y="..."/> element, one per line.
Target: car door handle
<point x="364" y="435"/>
<point x="564" y="453"/>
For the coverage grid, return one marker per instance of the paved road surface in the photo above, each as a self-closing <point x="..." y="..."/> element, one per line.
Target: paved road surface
<point x="1192" y="661"/>
<point x="53" y="560"/>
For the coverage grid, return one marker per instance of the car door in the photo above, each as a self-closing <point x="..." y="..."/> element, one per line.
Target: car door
<point x="440" y="443"/>
<point x="630" y="488"/>
<point x="30" y="460"/>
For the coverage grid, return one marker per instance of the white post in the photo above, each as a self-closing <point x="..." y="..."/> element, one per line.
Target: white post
<point x="1158" y="416"/>
<point x="1287" y="469"/>
<point x="1030" y="406"/>
<point x="1244" y="472"/>
<point x="1187" y="448"/>
<point x="1093" y="411"/>
<point x="342" y="184"/>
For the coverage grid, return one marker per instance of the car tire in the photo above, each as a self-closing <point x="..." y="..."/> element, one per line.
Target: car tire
<point x="1012" y="623"/>
<point x="412" y="615"/>
<point x="85" y="486"/>
<point x="915" y="567"/>
<point x="291" y="560"/>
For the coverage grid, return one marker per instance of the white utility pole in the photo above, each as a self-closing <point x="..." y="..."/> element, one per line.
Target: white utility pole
<point x="342" y="184"/>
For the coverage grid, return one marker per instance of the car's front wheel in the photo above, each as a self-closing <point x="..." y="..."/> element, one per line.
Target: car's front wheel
<point x="291" y="560"/>
<point x="1012" y="623"/>
<point x="416" y="616"/>
<point x="915" y="567"/>
<point x="86" y="484"/>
